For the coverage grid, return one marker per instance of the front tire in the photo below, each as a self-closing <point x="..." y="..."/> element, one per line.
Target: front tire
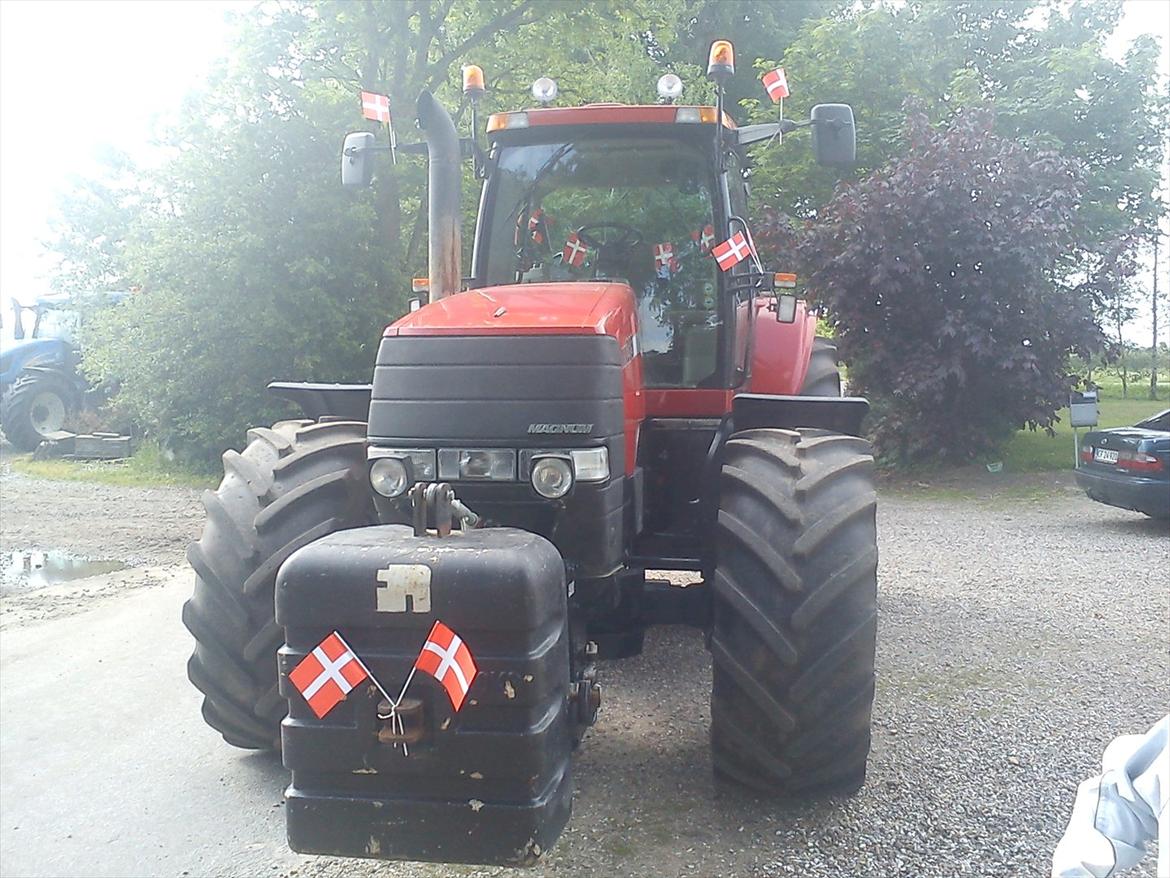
<point x="795" y="613"/>
<point x="292" y="484"/>
<point x="38" y="405"/>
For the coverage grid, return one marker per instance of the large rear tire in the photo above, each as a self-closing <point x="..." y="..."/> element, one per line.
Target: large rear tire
<point x="795" y="613"/>
<point x="294" y="483"/>
<point x="38" y="405"/>
<point x="823" y="377"/>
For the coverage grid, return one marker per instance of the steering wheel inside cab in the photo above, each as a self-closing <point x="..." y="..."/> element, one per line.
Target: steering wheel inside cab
<point x="613" y="243"/>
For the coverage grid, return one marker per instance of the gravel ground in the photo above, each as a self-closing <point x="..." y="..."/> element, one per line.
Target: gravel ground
<point x="147" y="529"/>
<point x="1018" y="635"/>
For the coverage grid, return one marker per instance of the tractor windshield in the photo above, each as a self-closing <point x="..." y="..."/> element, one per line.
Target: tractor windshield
<point x="631" y="209"/>
<point x="54" y="322"/>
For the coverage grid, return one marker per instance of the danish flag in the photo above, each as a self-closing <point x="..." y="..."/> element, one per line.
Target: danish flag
<point x="776" y="83"/>
<point x="375" y="106"/>
<point x="446" y="658"/>
<point x="575" y="250"/>
<point x="732" y="252"/>
<point x="537" y="222"/>
<point x="327" y="674"/>
<point x="704" y="238"/>
<point x="664" y="262"/>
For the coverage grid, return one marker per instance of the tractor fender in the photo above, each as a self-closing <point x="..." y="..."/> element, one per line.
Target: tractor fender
<point x="780" y="351"/>
<point x="38" y="353"/>
<point x="348" y="401"/>
<point x="57" y="370"/>
<point x="753" y="411"/>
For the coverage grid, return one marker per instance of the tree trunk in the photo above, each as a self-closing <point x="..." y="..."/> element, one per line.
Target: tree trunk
<point x="1154" y="313"/>
<point x="1121" y="350"/>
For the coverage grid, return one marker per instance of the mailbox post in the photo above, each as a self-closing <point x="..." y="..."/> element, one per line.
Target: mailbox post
<point x="1082" y="412"/>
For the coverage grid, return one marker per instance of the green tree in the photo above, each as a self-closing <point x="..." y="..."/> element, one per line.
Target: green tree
<point x="253" y="263"/>
<point x="1040" y="65"/>
<point x="940" y="274"/>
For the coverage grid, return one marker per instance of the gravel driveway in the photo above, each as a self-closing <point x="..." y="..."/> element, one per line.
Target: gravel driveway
<point x="1017" y="637"/>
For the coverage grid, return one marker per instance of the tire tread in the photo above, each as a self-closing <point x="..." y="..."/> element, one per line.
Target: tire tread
<point x="294" y="482"/>
<point x="792" y="699"/>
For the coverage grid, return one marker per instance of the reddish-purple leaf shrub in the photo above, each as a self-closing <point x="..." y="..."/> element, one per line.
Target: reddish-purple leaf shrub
<point x="941" y="276"/>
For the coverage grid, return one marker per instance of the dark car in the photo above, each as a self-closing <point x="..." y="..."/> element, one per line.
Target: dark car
<point x="1129" y="467"/>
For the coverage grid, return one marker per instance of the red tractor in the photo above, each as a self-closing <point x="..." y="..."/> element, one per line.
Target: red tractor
<point x="603" y="396"/>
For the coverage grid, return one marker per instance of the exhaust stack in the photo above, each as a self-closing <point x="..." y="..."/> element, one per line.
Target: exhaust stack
<point x="444" y="175"/>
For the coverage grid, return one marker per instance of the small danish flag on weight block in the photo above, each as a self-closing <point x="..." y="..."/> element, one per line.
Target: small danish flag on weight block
<point x="446" y="658"/>
<point x="327" y="674"/>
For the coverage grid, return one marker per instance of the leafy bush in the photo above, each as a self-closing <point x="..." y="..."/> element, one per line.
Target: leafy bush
<point x="940" y="276"/>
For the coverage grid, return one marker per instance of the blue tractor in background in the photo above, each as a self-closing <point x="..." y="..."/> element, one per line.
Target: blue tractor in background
<point x="41" y="387"/>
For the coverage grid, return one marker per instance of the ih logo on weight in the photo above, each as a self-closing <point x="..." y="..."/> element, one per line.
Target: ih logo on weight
<point x="404" y="588"/>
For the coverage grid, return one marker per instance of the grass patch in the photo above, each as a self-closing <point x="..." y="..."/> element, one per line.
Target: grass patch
<point x="148" y="468"/>
<point x="1036" y="451"/>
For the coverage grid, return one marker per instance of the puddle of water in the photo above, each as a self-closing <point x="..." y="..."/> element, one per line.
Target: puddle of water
<point x="36" y="569"/>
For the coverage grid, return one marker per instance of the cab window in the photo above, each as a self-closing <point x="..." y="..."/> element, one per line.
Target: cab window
<point x="634" y="210"/>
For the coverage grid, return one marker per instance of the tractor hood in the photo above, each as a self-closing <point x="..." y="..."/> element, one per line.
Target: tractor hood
<point x="15" y="355"/>
<point x="584" y="308"/>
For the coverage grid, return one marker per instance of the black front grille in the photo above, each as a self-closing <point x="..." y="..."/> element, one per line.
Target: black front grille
<point x="491" y="390"/>
<point x="485" y="391"/>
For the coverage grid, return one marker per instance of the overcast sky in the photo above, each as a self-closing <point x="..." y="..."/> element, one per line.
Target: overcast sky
<point x="79" y="74"/>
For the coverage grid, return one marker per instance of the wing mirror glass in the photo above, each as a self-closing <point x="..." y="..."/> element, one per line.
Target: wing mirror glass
<point x="834" y="136"/>
<point x="357" y="168"/>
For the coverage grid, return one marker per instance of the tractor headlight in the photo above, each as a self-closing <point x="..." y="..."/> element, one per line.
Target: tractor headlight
<point x="586" y="464"/>
<point x="477" y="464"/>
<point x="552" y="477"/>
<point x="389" y="476"/>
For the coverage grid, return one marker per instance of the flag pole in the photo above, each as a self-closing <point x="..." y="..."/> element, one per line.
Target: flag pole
<point x="362" y="665"/>
<point x="394" y="717"/>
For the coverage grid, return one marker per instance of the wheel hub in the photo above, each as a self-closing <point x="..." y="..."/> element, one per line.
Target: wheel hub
<point x="47" y="413"/>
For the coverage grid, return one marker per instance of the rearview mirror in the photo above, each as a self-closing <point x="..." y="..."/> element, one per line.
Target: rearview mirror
<point x="357" y="169"/>
<point x="833" y="134"/>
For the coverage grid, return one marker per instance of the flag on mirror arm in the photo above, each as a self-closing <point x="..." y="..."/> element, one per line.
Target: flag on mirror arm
<point x="376" y="107"/>
<point x="327" y="674"/>
<point x="446" y="658"/>
<point x="704" y="238"/>
<point x="776" y="83"/>
<point x="732" y="252"/>
<point x="575" y="250"/>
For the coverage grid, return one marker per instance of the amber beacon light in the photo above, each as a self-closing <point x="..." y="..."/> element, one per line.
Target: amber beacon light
<point x="721" y="61"/>
<point x="473" y="81"/>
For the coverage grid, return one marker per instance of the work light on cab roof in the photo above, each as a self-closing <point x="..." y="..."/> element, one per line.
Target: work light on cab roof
<point x="544" y="90"/>
<point x="670" y="87"/>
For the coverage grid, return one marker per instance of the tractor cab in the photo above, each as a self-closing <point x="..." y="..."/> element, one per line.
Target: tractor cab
<point x="622" y="194"/>
<point x="52" y="317"/>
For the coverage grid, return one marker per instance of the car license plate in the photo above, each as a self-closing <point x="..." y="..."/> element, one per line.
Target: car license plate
<point x="1104" y="455"/>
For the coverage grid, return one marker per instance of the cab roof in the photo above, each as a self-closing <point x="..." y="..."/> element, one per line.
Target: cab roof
<point x="606" y="114"/>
